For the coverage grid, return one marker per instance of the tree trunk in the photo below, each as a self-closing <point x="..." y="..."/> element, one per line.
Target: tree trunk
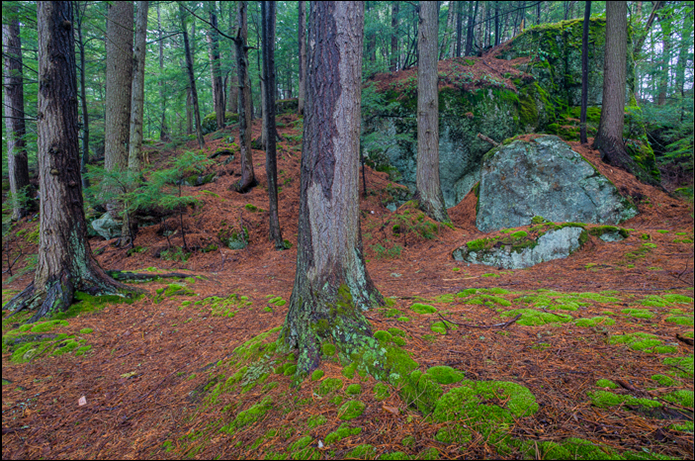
<point x="302" y="57"/>
<point x="472" y="12"/>
<point x="191" y="79"/>
<point x="65" y="262"/>
<point x="447" y="32"/>
<point x="429" y="192"/>
<point x="233" y="97"/>
<point x="248" y="180"/>
<point x="640" y="41"/>
<point x="268" y="43"/>
<point x="15" y="131"/>
<point x="664" y="22"/>
<point x="138" y="90"/>
<point x="332" y="286"/>
<point x="686" y="34"/>
<point x="214" y="52"/>
<point x="163" y="130"/>
<point x="81" y="8"/>
<point x="459" y="28"/>
<point x="585" y="72"/>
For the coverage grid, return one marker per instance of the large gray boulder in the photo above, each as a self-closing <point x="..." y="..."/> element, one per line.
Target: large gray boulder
<point x="545" y="177"/>
<point x="107" y="227"/>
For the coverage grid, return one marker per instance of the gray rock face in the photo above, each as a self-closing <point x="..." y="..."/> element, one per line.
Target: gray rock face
<point x="544" y="177"/>
<point x="107" y="227"/>
<point x="555" y="244"/>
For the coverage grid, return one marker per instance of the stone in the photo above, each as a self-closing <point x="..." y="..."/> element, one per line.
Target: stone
<point x="545" y="177"/>
<point x="107" y="227"/>
<point x="554" y="244"/>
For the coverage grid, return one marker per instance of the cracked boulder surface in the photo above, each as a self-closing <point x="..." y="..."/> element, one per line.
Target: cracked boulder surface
<point x="545" y="177"/>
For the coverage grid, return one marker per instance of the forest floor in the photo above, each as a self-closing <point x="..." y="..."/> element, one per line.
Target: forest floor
<point x="178" y="374"/>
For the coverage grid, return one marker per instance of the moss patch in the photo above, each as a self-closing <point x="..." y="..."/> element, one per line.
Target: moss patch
<point x="532" y="317"/>
<point x="423" y="308"/>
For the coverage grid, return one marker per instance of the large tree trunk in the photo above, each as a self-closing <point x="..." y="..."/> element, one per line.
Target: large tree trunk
<point x="138" y="90"/>
<point x="214" y="51"/>
<point x="81" y="9"/>
<point x="248" y="179"/>
<point x="65" y="260"/>
<point x="191" y="78"/>
<point x="119" y="81"/>
<point x="268" y="43"/>
<point x="585" y="72"/>
<point x="429" y="192"/>
<point x="302" y="57"/>
<point x="15" y="131"/>
<point x="332" y="286"/>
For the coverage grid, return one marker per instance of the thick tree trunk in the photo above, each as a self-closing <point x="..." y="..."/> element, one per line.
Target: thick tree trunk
<point x="268" y="42"/>
<point x="138" y="89"/>
<point x="214" y="51"/>
<point x="429" y="191"/>
<point x="331" y="287"/>
<point x="15" y="131"/>
<point x="248" y="180"/>
<point x="302" y="56"/>
<point x="81" y="9"/>
<point x="191" y="79"/>
<point x="65" y="260"/>
<point x="585" y="72"/>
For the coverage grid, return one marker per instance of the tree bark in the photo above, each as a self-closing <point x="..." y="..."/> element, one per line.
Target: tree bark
<point x="429" y="192"/>
<point x="65" y="262"/>
<point x="450" y="20"/>
<point x="233" y="97"/>
<point x="268" y="43"/>
<point x="585" y="72"/>
<point x="216" y="77"/>
<point x="191" y="79"/>
<point x="302" y="56"/>
<point x="163" y="130"/>
<point x="138" y="87"/>
<point x="248" y="180"/>
<point x="640" y="41"/>
<point x="664" y="22"/>
<point x="81" y="8"/>
<point x="15" y="131"/>
<point x="332" y="286"/>
<point x="459" y="28"/>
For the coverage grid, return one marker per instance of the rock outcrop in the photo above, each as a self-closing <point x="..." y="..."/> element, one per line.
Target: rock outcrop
<point x="545" y="177"/>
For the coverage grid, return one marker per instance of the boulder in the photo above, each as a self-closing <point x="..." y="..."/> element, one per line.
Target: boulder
<point x="554" y="244"/>
<point x="545" y="177"/>
<point x="107" y="227"/>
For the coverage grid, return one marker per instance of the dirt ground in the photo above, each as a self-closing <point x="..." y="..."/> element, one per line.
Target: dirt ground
<point x="151" y="362"/>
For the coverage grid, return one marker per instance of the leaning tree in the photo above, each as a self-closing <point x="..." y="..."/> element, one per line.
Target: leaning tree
<point x="65" y="262"/>
<point x="332" y="286"/>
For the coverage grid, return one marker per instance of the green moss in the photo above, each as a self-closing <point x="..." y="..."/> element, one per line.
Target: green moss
<point x="594" y="321"/>
<point x="423" y="308"/>
<point x="403" y="319"/>
<point x="383" y="336"/>
<point x="361" y="452"/>
<point x="315" y="421"/>
<point x="316" y="375"/>
<point x="678" y="299"/>
<point x="680" y="320"/>
<point x="532" y="317"/>
<point x="680" y="397"/>
<point x="351" y="410"/>
<point x="604" y="399"/>
<point x="488" y="300"/>
<point x="408" y="441"/>
<point x="349" y="371"/>
<point x="637" y="341"/>
<point x="301" y="443"/>
<point x="445" y="298"/>
<point x="682" y="366"/>
<point x="396" y="455"/>
<point x="606" y="383"/>
<point x="430" y="453"/>
<point x="638" y="313"/>
<point x="44" y="327"/>
<point x="442" y="327"/>
<point x="353" y="389"/>
<point x="445" y="375"/>
<point x="341" y="433"/>
<point x="328" y="350"/>
<point x="664" y="380"/>
<point x="66" y="347"/>
<point x="250" y="415"/>
<point x="572" y="448"/>
<point x="329" y="385"/>
<point x="686" y="426"/>
<point x="381" y="391"/>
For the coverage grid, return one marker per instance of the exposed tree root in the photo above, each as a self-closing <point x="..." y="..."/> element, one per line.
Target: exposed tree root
<point x="244" y="185"/>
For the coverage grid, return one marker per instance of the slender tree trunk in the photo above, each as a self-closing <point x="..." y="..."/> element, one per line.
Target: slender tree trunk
<point x="233" y="97"/>
<point x="302" y="57"/>
<point x="664" y="21"/>
<point x="163" y="130"/>
<point x="138" y="87"/>
<point x="459" y="28"/>
<point x="395" y="6"/>
<point x="640" y="41"/>
<point x="447" y="32"/>
<point x="191" y="79"/>
<point x="119" y="83"/>
<point x="429" y="192"/>
<point x="65" y="261"/>
<point x="15" y="131"/>
<point x="585" y="72"/>
<point x="248" y="180"/>
<point x="332" y="286"/>
<point x="81" y="8"/>
<point x="469" y="27"/>
<point x="497" y="23"/>
<point x="216" y="77"/>
<point x="371" y="37"/>
<point x="268" y="43"/>
<point x="686" y="41"/>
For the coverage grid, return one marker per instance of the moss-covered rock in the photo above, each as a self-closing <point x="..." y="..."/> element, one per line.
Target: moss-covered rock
<point x="209" y="122"/>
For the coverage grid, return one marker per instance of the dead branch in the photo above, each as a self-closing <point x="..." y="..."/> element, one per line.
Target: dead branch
<point x="487" y="139"/>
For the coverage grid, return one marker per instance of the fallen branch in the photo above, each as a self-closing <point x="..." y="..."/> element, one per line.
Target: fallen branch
<point x="688" y="341"/>
<point x="497" y="325"/>
<point x="490" y="140"/>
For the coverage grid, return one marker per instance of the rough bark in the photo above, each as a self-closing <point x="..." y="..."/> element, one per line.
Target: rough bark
<point x="15" y="131"/>
<point x="459" y="28"/>
<point x="81" y="8"/>
<point x="191" y="79"/>
<point x="664" y="22"/>
<point x="233" y="96"/>
<point x="447" y="32"/>
<point x="65" y="262"/>
<point x="585" y="72"/>
<point x="248" y="179"/>
<point x="268" y="43"/>
<point x="302" y="57"/>
<point x="216" y="77"/>
<point x="429" y="192"/>
<point x="332" y="286"/>
<point x="138" y="87"/>
<point x="163" y="130"/>
<point x="394" y="36"/>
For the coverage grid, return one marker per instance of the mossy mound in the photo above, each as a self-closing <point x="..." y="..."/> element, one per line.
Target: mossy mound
<point x="351" y="410"/>
<point x="532" y="317"/>
<point x="645" y="342"/>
